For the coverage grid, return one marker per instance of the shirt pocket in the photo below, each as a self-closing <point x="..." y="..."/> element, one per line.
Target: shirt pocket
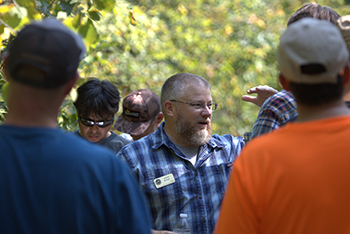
<point x="164" y="197"/>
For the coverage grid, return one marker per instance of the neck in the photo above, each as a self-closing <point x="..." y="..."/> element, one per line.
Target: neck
<point x="33" y="108"/>
<point x="170" y="131"/>
<point x="24" y="116"/>
<point x="334" y="109"/>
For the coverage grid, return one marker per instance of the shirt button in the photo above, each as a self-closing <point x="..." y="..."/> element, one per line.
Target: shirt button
<point x="196" y="173"/>
<point x="200" y="197"/>
<point x="203" y="220"/>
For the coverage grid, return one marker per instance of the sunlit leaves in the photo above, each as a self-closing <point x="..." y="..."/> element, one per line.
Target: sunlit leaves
<point x="231" y="43"/>
<point x="104" y="4"/>
<point x="5" y="8"/>
<point x="76" y="21"/>
<point x="12" y="20"/>
<point x="94" y="15"/>
<point x="131" y="17"/>
<point x="88" y="32"/>
<point x="4" y="91"/>
<point x="31" y="8"/>
<point x="27" y="3"/>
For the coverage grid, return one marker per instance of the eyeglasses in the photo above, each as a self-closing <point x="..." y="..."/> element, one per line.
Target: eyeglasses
<point x="101" y="124"/>
<point x="198" y="105"/>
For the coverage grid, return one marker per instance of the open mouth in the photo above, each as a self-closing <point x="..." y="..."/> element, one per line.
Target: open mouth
<point x="203" y="123"/>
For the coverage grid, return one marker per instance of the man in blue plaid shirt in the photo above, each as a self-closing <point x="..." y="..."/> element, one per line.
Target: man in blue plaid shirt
<point x="181" y="167"/>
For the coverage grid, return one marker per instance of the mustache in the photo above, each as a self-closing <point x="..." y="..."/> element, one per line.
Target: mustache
<point x="207" y="120"/>
<point x="94" y="134"/>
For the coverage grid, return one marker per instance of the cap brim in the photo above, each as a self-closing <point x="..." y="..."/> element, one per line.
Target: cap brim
<point x="132" y="128"/>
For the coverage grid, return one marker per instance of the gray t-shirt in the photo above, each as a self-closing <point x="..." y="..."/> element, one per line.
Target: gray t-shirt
<point x="189" y="152"/>
<point x="113" y="142"/>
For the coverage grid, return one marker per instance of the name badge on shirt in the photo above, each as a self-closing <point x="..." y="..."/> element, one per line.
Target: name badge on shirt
<point x="164" y="180"/>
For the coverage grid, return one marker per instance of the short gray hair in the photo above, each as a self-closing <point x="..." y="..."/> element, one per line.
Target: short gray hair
<point x="174" y="86"/>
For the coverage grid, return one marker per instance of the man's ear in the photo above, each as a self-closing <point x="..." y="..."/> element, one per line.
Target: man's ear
<point x="346" y="76"/>
<point x="168" y="105"/>
<point x="284" y="82"/>
<point x="71" y="83"/>
<point x="7" y="77"/>
<point x="159" y="117"/>
<point x="346" y="83"/>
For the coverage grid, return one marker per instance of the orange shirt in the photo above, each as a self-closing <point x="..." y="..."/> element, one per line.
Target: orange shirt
<point x="295" y="180"/>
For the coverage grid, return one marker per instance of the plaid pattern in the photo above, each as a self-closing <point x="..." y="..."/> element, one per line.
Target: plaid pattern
<point x="276" y="111"/>
<point x="197" y="191"/>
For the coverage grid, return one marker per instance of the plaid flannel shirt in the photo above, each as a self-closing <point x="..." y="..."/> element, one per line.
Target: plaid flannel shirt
<point x="197" y="190"/>
<point x="276" y="111"/>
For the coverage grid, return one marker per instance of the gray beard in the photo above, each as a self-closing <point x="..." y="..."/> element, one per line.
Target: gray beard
<point x="190" y="134"/>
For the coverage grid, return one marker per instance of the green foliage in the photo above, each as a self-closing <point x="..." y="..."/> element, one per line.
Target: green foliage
<point x="139" y="44"/>
<point x="3" y="108"/>
<point x="88" y="31"/>
<point x="104" y="4"/>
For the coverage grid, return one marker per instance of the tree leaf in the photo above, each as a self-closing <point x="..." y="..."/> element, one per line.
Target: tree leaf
<point x="104" y="4"/>
<point x="94" y="15"/>
<point x="76" y="20"/>
<point x="4" y="91"/>
<point x="44" y="8"/>
<point x="88" y="32"/>
<point x="11" y="19"/>
<point x="5" y="9"/>
<point x="33" y="13"/>
<point x="27" y="3"/>
<point x="67" y="6"/>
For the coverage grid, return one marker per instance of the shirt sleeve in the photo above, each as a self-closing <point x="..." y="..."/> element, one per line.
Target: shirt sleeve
<point x="276" y="111"/>
<point x="267" y="121"/>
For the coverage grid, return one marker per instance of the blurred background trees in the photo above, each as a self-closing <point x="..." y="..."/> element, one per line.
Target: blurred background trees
<point x="140" y="43"/>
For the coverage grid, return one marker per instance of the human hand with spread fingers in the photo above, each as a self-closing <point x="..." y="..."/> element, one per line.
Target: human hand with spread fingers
<point x="263" y="92"/>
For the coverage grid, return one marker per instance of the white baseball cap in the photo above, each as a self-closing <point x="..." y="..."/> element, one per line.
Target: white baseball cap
<point x="312" y="51"/>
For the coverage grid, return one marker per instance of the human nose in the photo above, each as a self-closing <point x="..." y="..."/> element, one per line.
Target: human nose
<point x="206" y="110"/>
<point x="94" y="128"/>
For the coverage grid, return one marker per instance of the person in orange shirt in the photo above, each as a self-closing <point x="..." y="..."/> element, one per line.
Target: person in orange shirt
<point x="296" y="179"/>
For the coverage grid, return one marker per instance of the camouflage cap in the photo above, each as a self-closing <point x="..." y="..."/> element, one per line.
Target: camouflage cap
<point x="140" y="107"/>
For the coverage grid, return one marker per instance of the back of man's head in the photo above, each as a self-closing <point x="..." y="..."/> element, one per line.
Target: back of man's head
<point x="316" y="11"/>
<point x="312" y="52"/>
<point x="44" y="54"/>
<point x="97" y="97"/>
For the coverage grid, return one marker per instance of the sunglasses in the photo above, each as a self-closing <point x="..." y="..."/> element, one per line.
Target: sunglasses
<point x="101" y="124"/>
